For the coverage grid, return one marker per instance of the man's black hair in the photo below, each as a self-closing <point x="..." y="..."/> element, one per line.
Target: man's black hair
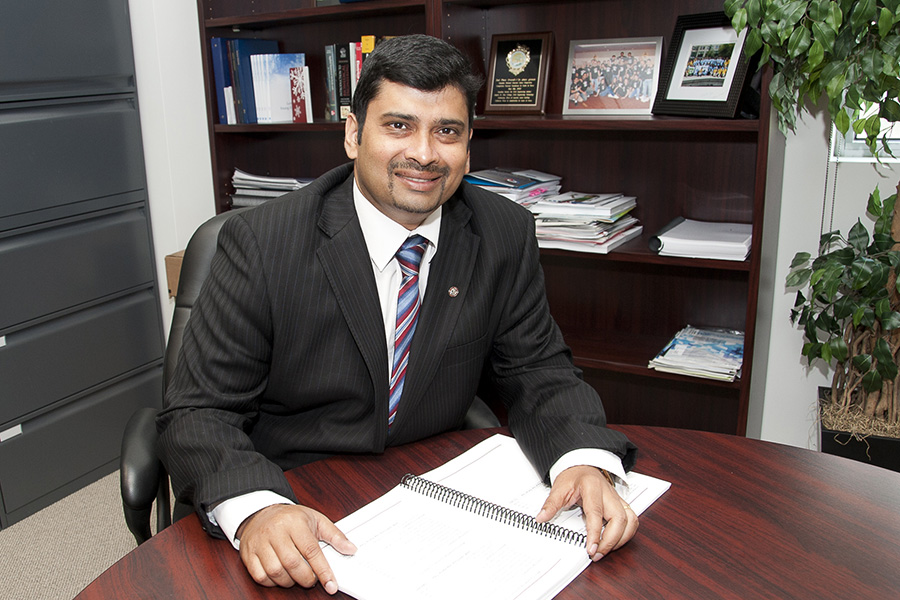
<point x="418" y="61"/>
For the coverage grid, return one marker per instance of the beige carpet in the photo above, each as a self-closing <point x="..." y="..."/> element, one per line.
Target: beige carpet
<point x="56" y="552"/>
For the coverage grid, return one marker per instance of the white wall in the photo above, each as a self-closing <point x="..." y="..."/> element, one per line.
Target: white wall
<point x="172" y="103"/>
<point x="784" y="387"/>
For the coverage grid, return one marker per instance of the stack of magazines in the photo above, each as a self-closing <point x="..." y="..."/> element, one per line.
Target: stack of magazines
<point x="585" y="222"/>
<point x="709" y="352"/>
<point x="523" y="186"/>
<point x="252" y="190"/>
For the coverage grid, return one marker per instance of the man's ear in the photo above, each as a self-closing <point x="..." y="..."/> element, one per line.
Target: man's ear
<point x="351" y="139"/>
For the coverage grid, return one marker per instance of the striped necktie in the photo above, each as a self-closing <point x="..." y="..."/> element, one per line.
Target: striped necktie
<point x="409" y="256"/>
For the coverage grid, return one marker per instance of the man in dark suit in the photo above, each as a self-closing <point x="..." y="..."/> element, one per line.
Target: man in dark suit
<point x="290" y="352"/>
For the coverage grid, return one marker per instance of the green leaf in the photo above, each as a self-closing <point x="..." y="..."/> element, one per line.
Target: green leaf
<point x="862" y="362"/>
<point x="799" y="42"/>
<point x="826" y="352"/>
<point x="882" y="353"/>
<point x="864" y="317"/>
<point x="885" y="22"/>
<point x="872" y="63"/>
<point x="843" y="307"/>
<point x="872" y="381"/>
<point x="798" y="278"/>
<point x="842" y="121"/>
<point x="800" y="258"/>
<point x="890" y="320"/>
<point x="863" y="14"/>
<point x="882" y="307"/>
<point x="839" y="349"/>
<point x="859" y="237"/>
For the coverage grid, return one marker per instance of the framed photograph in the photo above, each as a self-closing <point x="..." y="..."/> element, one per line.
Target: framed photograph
<point x="518" y="71"/>
<point x="704" y="70"/>
<point x="612" y="77"/>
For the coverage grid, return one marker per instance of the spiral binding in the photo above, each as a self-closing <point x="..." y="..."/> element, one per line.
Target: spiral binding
<point x="490" y="510"/>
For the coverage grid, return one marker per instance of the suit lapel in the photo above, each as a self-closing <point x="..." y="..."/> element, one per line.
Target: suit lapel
<point x="451" y="267"/>
<point x="346" y="262"/>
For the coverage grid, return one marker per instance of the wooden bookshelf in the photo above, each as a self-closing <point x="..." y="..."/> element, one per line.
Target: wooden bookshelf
<point x="617" y="310"/>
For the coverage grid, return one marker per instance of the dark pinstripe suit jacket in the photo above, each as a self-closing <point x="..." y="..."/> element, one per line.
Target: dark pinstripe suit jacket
<point x="284" y="358"/>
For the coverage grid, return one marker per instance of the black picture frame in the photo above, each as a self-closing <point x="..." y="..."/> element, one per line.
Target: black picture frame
<point x="518" y="73"/>
<point x="710" y="89"/>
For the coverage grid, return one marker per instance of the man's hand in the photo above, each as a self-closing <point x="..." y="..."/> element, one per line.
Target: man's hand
<point x="280" y="546"/>
<point x="587" y="487"/>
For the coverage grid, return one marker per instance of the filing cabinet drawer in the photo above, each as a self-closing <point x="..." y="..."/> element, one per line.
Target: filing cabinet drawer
<point x="79" y="51"/>
<point x="57" y="359"/>
<point x="61" y="446"/>
<point x="64" y="152"/>
<point x="62" y="266"/>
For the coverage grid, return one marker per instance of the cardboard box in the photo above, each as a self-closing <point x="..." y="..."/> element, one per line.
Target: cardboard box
<point x="173" y="270"/>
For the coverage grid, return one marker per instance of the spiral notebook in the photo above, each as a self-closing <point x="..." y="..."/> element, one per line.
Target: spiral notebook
<point x="467" y="530"/>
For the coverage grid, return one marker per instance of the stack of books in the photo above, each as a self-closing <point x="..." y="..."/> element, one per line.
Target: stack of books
<point x="523" y="186"/>
<point x="708" y="352"/>
<point x="703" y="239"/>
<point x="585" y="222"/>
<point x="252" y="190"/>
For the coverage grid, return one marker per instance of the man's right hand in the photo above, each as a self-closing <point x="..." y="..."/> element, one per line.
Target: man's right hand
<point x="280" y="546"/>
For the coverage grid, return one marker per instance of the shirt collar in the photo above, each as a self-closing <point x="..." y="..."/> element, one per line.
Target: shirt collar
<point x="384" y="236"/>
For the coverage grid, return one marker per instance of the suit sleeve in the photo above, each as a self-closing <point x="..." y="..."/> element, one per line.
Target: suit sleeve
<point x="552" y="410"/>
<point x="222" y="370"/>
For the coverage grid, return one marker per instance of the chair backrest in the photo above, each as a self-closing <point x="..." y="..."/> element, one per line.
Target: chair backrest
<point x="195" y="267"/>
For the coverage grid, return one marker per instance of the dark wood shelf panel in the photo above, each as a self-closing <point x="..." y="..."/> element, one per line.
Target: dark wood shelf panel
<point x="637" y="251"/>
<point x="265" y="19"/>
<point x="614" y="123"/>
<point x="629" y="353"/>
<point x="548" y="122"/>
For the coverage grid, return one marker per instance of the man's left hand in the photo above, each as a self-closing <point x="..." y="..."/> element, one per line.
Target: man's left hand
<point x="587" y="487"/>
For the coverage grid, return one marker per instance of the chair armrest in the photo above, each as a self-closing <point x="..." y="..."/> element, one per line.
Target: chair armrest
<point x="140" y="471"/>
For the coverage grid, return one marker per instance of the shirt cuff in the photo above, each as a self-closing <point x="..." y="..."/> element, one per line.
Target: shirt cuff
<point x="229" y="515"/>
<point x="593" y="457"/>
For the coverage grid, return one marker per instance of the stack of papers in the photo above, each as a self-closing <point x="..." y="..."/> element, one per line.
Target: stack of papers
<point x="252" y="190"/>
<point x="711" y="353"/>
<point x="585" y="222"/>
<point x="523" y="186"/>
<point x="703" y="239"/>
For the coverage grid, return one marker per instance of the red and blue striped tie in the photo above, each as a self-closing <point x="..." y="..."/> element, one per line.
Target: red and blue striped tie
<point x="409" y="256"/>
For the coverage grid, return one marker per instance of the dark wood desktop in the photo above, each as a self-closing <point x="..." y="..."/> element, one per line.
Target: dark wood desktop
<point x="743" y="519"/>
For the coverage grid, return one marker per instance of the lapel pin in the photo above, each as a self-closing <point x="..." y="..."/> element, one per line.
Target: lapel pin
<point x="453" y="292"/>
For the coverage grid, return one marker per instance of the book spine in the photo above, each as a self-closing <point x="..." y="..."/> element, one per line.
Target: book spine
<point x="331" y="111"/>
<point x="221" y="75"/>
<point x="344" y="92"/>
<point x="301" y="109"/>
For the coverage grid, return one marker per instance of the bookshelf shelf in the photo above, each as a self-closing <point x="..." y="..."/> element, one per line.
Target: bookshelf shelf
<point x="616" y="310"/>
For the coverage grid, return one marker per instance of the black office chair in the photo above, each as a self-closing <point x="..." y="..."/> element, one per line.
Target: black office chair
<point x="143" y="478"/>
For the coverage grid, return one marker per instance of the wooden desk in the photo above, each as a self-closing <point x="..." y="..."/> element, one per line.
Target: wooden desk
<point x="743" y="519"/>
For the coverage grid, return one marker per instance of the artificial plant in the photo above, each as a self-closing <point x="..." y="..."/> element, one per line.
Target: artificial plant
<point x="844" y="54"/>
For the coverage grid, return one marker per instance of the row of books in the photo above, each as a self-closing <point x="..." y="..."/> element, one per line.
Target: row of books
<point x="707" y="352"/>
<point x="255" y="83"/>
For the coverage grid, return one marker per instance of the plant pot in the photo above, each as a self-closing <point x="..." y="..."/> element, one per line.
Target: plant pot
<point x="875" y="450"/>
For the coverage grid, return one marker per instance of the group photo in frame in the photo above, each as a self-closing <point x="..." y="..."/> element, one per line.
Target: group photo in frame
<point x="518" y="72"/>
<point x="612" y="77"/>
<point x="704" y="70"/>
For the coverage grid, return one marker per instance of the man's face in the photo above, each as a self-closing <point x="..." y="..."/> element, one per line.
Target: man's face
<point x="414" y="150"/>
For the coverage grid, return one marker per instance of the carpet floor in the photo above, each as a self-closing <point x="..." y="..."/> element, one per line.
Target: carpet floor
<point x="58" y="551"/>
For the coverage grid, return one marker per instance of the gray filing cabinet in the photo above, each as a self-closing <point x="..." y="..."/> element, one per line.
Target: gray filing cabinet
<point x="81" y="339"/>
